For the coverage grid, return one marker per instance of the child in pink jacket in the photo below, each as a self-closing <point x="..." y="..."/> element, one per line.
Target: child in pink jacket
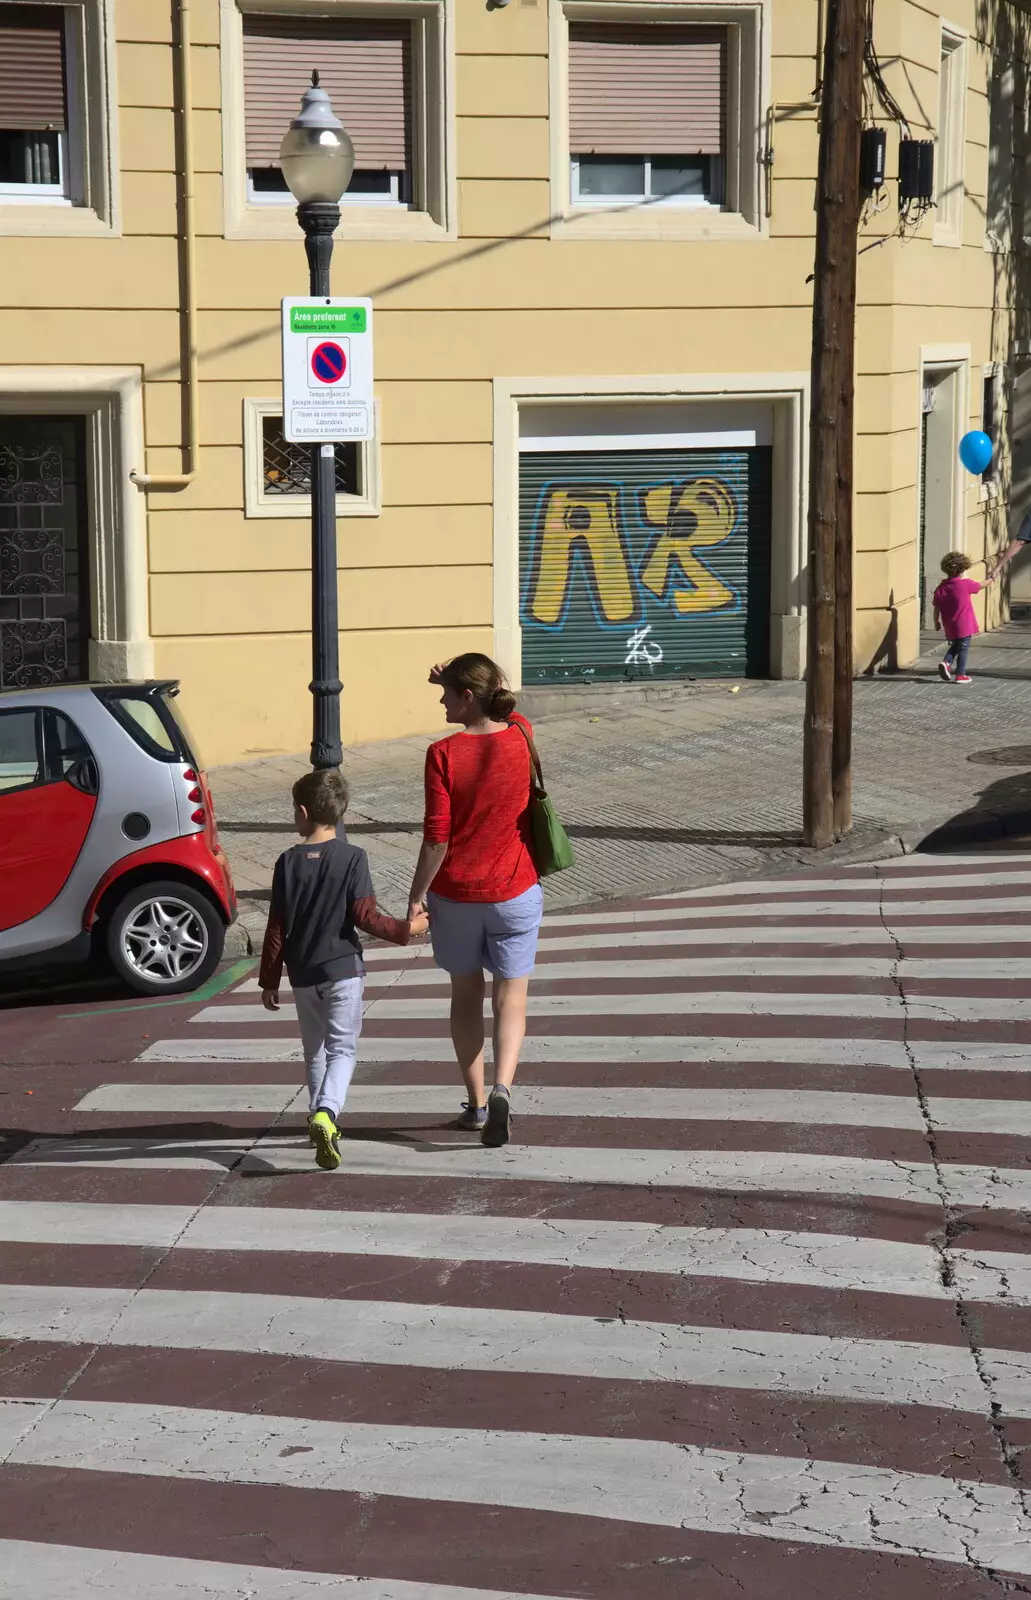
<point x="954" y="613"/>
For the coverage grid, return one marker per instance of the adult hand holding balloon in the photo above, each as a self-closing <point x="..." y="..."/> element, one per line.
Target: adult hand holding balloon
<point x="975" y="451"/>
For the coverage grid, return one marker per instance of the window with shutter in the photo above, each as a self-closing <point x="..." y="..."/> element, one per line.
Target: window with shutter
<point x="366" y="67"/>
<point x="34" y="157"/>
<point x="647" y="113"/>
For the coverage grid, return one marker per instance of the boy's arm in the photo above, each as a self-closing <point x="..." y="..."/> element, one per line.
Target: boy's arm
<point x="368" y="918"/>
<point x="270" y="973"/>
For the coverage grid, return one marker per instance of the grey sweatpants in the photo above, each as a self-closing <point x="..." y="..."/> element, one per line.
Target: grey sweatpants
<point x="330" y="1017"/>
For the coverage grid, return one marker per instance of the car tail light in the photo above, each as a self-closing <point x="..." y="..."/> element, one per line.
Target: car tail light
<point x="199" y="815"/>
<point x="195" y="794"/>
<point x="189" y="775"/>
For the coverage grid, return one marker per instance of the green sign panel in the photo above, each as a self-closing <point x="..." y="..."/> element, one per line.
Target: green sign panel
<point x="327" y="319"/>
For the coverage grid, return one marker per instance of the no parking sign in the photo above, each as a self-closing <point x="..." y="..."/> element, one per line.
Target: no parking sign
<point x="327" y="370"/>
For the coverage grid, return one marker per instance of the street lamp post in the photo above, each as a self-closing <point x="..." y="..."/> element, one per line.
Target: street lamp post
<point x="317" y="158"/>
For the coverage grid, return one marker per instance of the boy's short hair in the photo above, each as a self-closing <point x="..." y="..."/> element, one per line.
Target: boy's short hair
<point x="323" y="795"/>
<point x="954" y="563"/>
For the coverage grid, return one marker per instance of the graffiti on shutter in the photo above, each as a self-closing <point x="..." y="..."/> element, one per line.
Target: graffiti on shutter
<point x="644" y="563"/>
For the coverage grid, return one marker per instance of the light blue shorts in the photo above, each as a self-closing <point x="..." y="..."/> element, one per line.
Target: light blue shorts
<point x="499" y="936"/>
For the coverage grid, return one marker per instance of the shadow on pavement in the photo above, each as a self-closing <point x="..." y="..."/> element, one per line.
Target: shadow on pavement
<point x="1000" y="815"/>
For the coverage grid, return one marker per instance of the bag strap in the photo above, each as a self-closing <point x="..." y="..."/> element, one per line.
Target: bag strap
<point x="535" y="760"/>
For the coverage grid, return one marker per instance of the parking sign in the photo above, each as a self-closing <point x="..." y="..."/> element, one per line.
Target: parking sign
<point x="327" y="370"/>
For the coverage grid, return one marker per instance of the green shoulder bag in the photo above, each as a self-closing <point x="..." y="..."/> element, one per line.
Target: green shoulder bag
<point x="552" y="850"/>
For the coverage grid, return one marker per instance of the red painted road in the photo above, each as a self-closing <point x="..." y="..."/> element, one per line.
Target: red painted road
<point x="704" y="1346"/>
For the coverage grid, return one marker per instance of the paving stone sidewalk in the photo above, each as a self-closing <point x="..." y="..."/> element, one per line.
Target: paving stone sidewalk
<point x="701" y="786"/>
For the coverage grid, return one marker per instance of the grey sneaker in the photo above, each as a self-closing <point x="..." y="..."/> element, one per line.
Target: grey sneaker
<point x="473" y="1117"/>
<point x="498" y="1129"/>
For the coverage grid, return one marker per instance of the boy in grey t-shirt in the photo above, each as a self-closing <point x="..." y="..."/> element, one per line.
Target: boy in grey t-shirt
<point x="322" y="895"/>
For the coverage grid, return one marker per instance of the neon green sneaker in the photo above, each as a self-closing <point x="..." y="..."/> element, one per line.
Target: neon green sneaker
<point x="325" y="1136"/>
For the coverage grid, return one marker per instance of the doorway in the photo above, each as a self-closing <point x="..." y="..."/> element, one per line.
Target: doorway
<point x="44" y="552"/>
<point x="939" y="440"/>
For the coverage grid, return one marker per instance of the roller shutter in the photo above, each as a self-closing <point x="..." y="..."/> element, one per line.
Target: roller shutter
<point x="647" y="89"/>
<point x="32" y="90"/>
<point x="644" y="563"/>
<point x="364" y="65"/>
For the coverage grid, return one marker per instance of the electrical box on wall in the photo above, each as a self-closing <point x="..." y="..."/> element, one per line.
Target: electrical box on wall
<point x="873" y="157"/>
<point x="916" y="170"/>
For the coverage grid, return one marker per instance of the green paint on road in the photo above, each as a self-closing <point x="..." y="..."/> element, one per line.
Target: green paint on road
<point x="214" y="985"/>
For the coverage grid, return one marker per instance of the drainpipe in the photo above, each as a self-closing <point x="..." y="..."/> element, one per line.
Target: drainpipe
<point x="181" y="480"/>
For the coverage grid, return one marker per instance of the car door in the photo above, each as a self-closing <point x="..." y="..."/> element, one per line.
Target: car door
<point x="48" y="795"/>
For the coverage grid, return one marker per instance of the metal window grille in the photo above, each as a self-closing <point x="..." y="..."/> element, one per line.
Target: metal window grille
<point x="286" y="468"/>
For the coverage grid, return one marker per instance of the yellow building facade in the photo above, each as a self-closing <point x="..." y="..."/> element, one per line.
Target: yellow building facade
<point x="588" y="238"/>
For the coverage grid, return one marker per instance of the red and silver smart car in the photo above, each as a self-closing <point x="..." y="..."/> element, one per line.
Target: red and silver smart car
<point x="108" y="842"/>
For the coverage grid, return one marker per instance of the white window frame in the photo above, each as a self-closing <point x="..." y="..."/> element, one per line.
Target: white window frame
<point x="950" y="141"/>
<point x="697" y="201"/>
<point x="432" y="211"/>
<point x="86" y="201"/>
<point x="49" y="194"/>
<point x="259" y="503"/>
<point x="741" y="213"/>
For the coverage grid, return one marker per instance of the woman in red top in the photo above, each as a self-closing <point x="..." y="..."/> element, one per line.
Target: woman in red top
<point x="486" y="900"/>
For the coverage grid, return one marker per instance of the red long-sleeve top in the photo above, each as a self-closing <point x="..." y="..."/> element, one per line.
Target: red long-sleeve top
<point x="478" y="804"/>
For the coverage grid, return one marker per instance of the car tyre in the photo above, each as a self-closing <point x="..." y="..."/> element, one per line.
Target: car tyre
<point x="164" y="938"/>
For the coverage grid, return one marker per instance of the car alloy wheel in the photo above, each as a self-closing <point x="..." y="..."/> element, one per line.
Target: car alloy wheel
<point x="164" y="940"/>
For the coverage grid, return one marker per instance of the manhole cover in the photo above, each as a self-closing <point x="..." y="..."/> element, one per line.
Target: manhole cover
<point x="1015" y="755"/>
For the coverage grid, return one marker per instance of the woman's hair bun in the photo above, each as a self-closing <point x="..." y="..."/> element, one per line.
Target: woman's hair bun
<point x="502" y="705"/>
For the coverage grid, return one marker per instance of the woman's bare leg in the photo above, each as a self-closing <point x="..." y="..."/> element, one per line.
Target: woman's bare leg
<point x="509" y="1003"/>
<point x="467" y="1035"/>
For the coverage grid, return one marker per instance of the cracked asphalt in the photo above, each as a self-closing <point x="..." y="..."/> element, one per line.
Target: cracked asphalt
<point x="744" y="1308"/>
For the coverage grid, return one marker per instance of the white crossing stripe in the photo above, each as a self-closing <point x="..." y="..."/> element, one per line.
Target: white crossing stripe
<point x="772" y="888"/>
<point x="752" y="1171"/>
<point x="750" y="1255"/>
<point x="1015" y="935"/>
<point x="650" y="1482"/>
<point x="959" y="1055"/>
<point x="476" y="1338"/>
<point x="931" y="862"/>
<point x="949" y="970"/>
<point x="716" y="1002"/>
<point x="73" y="1572"/>
<point x="932" y="910"/>
<point x="946" y="1007"/>
<point x="823" y="1108"/>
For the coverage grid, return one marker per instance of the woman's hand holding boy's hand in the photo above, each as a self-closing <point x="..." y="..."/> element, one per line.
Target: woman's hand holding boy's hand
<point x="418" y="924"/>
<point x="270" y="999"/>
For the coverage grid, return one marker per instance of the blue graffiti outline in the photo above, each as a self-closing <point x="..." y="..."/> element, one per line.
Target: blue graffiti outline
<point x="581" y="564"/>
<point x="687" y="582"/>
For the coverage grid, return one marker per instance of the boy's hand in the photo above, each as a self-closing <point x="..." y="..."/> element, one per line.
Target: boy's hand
<point x="270" y="999"/>
<point x="418" y="925"/>
<point x="937" y="624"/>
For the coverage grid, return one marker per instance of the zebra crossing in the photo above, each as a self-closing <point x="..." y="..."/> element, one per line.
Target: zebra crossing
<point x="745" y="1308"/>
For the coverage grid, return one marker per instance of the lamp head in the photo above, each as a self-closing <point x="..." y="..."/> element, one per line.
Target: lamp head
<point x="317" y="156"/>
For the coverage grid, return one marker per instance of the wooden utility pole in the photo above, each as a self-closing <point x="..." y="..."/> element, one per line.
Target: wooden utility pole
<point x="827" y="760"/>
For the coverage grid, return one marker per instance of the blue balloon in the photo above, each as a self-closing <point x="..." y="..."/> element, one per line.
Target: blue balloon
<point x="975" y="451"/>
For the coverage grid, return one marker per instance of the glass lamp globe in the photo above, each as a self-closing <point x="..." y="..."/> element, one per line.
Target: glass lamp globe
<point x="316" y="155"/>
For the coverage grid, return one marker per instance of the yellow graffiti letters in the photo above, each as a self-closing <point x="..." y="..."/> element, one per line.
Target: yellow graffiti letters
<point x="692" y="516"/>
<point x="585" y="517"/>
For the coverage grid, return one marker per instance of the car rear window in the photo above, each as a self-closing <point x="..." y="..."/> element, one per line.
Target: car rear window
<point x="143" y="721"/>
<point x="173" y="706"/>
